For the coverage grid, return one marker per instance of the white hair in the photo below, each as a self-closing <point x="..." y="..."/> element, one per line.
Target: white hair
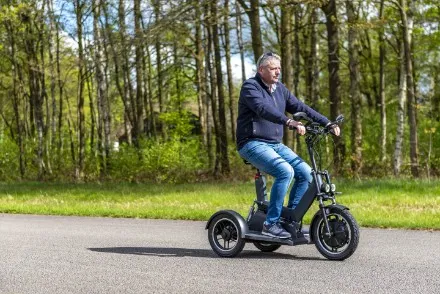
<point x="266" y="58"/>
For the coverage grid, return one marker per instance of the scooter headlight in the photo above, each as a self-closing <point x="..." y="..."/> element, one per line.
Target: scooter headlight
<point x="325" y="188"/>
<point x="333" y="187"/>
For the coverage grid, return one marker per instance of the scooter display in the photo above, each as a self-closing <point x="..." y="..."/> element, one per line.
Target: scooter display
<point x="333" y="229"/>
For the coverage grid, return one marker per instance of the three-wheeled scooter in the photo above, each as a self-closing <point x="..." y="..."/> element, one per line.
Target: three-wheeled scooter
<point x="333" y="229"/>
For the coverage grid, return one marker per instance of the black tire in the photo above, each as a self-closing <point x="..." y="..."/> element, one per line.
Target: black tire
<point x="266" y="247"/>
<point x="225" y="236"/>
<point x="344" y="237"/>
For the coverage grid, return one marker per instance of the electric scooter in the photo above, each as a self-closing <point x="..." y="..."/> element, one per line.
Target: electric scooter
<point x="333" y="229"/>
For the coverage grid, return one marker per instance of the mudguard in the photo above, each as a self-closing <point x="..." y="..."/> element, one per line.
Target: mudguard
<point x="318" y="213"/>
<point x="233" y="214"/>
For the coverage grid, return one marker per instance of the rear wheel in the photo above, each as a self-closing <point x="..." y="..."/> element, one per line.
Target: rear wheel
<point x="343" y="239"/>
<point x="224" y="236"/>
<point x="266" y="247"/>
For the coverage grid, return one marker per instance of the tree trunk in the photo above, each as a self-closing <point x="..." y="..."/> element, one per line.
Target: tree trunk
<point x="122" y="90"/>
<point x="334" y="80"/>
<point x="130" y="122"/>
<point x="60" y="85"/>
<point x="200" y="78"/>
<point x="407" y="25"/>
<point x="214" y="160"/>
<point x="240" y="40"/>
<point x="222" y="134"/>
<point x="397" y="161"/>
<point x="101" y="91"/>
<point x="150" y="90"/>
<point x="312" y="69"/>
<point x="52" y="28"/>
<point x="286" y="58"/>
<point x="35" y="90"/>
<point x="79" y="171"/>
<point x="229" y="71"/>
<point x="159" y="70"/>
<point x="177" y="67"/>
<point x="355" y="95"/>
<point x="89" y="83"/>
<point x="139" y="120"/>
<point x="297" y="68"/>
<point x="383" y="116"/>
<point x="253" y="13"/>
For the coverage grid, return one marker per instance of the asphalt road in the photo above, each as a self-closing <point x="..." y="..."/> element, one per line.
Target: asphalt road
<point x="50" y="254"/>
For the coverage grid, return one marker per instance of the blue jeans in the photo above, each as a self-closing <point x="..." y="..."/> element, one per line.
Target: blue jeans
<point x="283" y="164"/>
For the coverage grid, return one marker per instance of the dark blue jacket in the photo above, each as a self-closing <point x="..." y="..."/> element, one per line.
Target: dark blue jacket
<point x="261" y="114"/>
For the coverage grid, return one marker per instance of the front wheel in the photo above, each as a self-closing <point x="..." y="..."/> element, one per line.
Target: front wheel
<point x="343" y="239"/>
<point x="224" y="236"/>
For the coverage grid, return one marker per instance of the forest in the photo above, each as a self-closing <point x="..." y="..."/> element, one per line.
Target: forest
<point x="94" y="90"/>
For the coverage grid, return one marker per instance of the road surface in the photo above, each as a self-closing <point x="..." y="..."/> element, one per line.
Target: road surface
<point x="53" y="254"/>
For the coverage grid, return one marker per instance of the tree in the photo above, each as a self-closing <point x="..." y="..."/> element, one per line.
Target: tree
<point x="79" y="12"/>
<point x="222" y="133"/>
<point x="406" y="12"/>
<point x="253" y="12"/>
<point x="383" y="113"/>
<point x="355" y="95"/>
<point x="286" y="58"/>
<point x="329" y="8"/>
<point x="229" y="70"/>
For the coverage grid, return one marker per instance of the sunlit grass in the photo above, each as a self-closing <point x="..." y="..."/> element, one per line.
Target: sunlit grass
<point x="374" y="203"/>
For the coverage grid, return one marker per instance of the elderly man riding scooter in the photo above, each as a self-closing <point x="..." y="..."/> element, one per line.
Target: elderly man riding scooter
<point x="260" y="128"/>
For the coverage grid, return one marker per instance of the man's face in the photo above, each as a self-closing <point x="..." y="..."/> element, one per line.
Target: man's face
<point x="270" y="73"/>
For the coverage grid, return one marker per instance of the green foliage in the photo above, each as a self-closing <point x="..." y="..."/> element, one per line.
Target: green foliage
<point x="178" y="123"/>
<point x="9" y="166"/>
<point x="170" y="161"/>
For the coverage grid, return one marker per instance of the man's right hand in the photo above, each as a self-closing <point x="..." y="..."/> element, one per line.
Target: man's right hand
<point x="292" y="124"/>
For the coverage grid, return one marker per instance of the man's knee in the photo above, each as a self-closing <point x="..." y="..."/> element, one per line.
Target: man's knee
<point x="286" y="171"/>
<point x="305" y="172"/>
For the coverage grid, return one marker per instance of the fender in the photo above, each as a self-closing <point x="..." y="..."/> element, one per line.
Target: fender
<point x="233" y="214"/>
<point x="331" y="207"/>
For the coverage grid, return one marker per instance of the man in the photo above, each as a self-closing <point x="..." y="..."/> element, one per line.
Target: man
<point x="260" y="126"/>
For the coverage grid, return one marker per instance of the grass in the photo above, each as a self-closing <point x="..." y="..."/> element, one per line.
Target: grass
<point x="374" y="203"/>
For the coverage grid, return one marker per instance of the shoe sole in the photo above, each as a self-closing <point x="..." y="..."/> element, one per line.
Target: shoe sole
<point x="275" y="236"/>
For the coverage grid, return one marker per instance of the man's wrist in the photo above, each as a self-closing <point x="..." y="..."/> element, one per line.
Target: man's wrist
<point x="289" y="121"/>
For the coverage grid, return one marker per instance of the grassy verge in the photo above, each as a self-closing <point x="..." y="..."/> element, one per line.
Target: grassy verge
<point x="374" y="203"/>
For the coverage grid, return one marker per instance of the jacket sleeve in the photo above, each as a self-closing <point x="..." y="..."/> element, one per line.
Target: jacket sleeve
<point x="254" y="99"/>
<point x="294" y="105"/>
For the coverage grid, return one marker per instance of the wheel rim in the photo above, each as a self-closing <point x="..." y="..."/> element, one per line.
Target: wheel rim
<point x="225" y="234"/>
<point x="340" y="237"/>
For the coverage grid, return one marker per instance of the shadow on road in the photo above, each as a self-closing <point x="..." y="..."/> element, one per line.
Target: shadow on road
<point x="189" y="252"/>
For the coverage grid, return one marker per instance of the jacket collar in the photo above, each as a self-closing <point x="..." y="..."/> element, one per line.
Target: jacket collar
<point x="264" y="85"/>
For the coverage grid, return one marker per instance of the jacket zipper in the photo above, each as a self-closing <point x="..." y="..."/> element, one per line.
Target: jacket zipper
<point x="274" y="101"/>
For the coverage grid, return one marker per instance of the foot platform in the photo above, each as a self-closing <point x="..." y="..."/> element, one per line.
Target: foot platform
<point x="257" y="236"/>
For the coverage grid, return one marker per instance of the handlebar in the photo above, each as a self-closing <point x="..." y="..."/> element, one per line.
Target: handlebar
<point x="314" y="127"/>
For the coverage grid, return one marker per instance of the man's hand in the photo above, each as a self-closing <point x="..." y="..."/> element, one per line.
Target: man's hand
<point x="335" y="130"/>
<point x="292" y="124"/>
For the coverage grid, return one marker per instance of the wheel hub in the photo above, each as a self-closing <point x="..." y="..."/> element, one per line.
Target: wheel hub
<point x="226" y="234"/>
<point x="339" y="236"/>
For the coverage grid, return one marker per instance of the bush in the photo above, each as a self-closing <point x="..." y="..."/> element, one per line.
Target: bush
<point x="170" y="161"/>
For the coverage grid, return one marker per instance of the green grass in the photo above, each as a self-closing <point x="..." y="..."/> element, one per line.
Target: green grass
<point x="374" y="203"/>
